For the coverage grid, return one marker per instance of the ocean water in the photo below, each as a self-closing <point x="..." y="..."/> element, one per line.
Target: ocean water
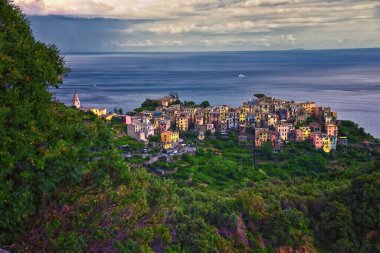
<point x="346" y="80"/>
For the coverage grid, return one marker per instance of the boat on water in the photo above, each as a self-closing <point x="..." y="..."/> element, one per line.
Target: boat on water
<point x="241" y="76"/>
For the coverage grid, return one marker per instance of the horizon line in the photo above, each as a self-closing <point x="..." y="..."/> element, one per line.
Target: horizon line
<point x="216" y="51"/>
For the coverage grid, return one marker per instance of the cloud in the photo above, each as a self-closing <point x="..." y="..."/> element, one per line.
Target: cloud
<point x="145" y="43"/>
<point x="209" y="23"/>
<point x="245" y="26"/>
<point x="289" y="37"/>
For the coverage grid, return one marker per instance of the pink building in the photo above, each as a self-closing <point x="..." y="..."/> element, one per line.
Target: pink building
<point x="317" y="140"/>
<point x="296" y="135"/>
<point x="284" y="128"/>
<point x="135" y="119"/>
<point x="127" y="120"/>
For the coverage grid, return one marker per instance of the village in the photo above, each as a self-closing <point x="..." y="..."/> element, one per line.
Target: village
<point x="260" y="120"/>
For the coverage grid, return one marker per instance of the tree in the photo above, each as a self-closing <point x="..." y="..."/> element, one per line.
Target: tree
<point x="259" y="95"/>
<point x="205" y="104"/>
<point x="335" y="229"/>
<point x="174" y="95"/>
<point x="364" y="201"/>
<point x="189" y="103"/>
<point x="118" y="110"/>
<point x="27" y="69"/>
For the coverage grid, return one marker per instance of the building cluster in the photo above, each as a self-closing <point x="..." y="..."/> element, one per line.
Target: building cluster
<point x="262" y="120"/>
<point x="101" y="112"/>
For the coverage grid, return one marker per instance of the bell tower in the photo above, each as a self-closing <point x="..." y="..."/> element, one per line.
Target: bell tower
<point x="76" y="101"/>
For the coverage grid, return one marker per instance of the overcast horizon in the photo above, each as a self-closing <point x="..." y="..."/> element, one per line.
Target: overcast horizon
<point x="204" y="25"/>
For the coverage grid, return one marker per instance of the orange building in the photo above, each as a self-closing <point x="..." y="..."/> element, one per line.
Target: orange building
<point x="261" y="136"/>
<point x="169" y="139"/>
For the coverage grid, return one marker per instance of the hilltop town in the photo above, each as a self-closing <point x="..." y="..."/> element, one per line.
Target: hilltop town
<point x="260" y="120"/>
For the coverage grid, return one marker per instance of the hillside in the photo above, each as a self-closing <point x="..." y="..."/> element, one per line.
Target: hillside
<point x="65" y="186"/>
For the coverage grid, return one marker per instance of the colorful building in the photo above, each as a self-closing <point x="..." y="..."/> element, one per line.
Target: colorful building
<point x="127" y="119"/>
<point x="108" y="116"/>
<point x="284" y="128"/>
<point x="169" y="139"/>
<point x="317" y="140"/>
<point x="233" y="119"/>
<point x="242" y="116"/>
<point x="331" y="130"/>
<point x="306" y="131"/>
<point x="96" y="111"/>
<point x="272" y="120"/>
<point x="296" y="135"/>
<point x="214" y="117"/>
<point x="165" y="125"/>
<point x="309" y="107"/>
<point x="210" y="127"/>
<point x="198" y="120"/>
<point x="326" y="143"/>
<point x="315" y="127"/>
<point x="301" y="116"/>
<point x="283" y="114"/>
<point x="261" y="136"/>
<point x="182" y="122"/>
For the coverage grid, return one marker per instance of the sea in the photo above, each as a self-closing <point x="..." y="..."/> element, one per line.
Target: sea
<point x="348" y="81"/>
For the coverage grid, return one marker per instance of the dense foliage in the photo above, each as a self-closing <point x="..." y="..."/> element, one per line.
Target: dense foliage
<point x="148" y="105"/>
<point x="65" y="187"/>
<point x="353" y="132"/>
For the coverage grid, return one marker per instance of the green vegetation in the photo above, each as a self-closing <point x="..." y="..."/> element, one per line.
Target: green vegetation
<point x="148" y="105"/>
<point x="118" y="110"/>
<point x="259" y="95"/>
<point x="205" y="104"/>
<point x="129" y="142"/>
<point x="64" y="187"/>
<point x="354" y="133"/>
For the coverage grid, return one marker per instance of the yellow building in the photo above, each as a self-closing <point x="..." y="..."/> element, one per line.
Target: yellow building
<point x="306" y="131"/>
<point x="243" y="117"/>
<point x="206" y="115"/>
<point x="96" y="111"/>
<point x="169" y="139"/>
<point x="309" y="107"/>
<point x="326" y="144"/>
<point x="182" y="123"/>
<point x="223" y="110"/>
<point x="108" y="116"/>
<point x="157" y="122"/>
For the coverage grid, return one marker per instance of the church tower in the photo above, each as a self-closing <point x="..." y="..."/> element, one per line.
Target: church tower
<point x="76" y="101"/>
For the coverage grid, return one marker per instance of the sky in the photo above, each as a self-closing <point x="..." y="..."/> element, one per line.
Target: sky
<point x="204" y="25"/>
